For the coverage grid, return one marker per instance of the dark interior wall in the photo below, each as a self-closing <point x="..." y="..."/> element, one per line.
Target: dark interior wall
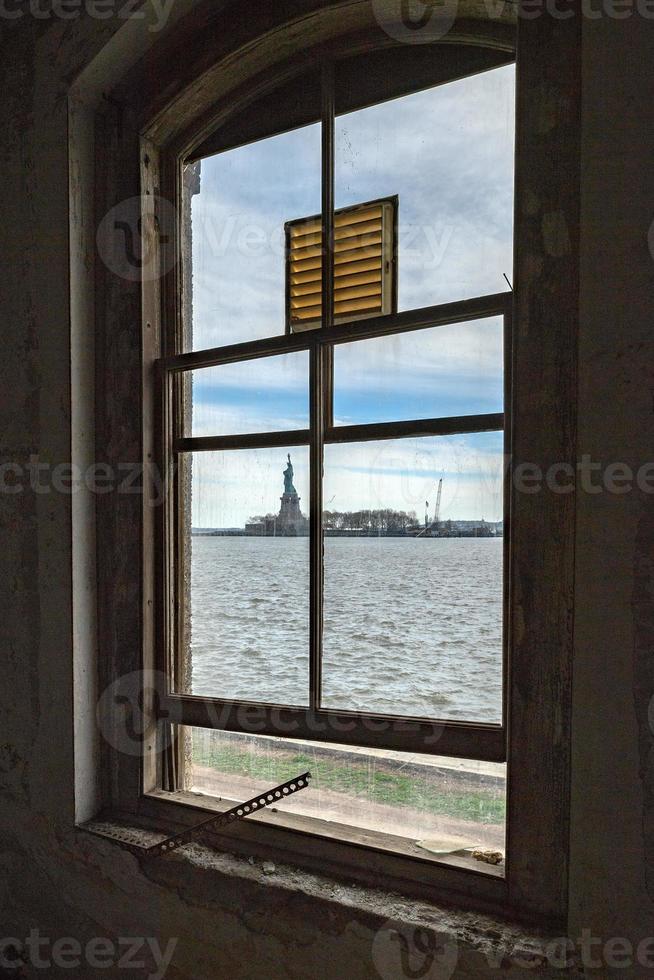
<point x="612" y="886"/>
<point x="232" y="920"/>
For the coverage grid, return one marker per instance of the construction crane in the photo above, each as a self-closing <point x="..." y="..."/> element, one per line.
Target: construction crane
<point x="432" y="528"/>
<point x="437" y="508"/>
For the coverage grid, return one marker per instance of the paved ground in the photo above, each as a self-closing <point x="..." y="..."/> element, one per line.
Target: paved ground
<point x="497" y="769"/>
<point x="445" y="832"/>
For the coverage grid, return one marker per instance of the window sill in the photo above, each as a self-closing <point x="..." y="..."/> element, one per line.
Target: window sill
<point x="342" y="852"/>
<point x="333" y="831"/>
<point x="485" y="941"/>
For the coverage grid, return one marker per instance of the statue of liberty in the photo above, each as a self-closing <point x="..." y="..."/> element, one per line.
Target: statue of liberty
<point x="288" y="478"/>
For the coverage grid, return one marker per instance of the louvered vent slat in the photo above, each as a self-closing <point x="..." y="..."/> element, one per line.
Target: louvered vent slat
<point x="362" y="243"/>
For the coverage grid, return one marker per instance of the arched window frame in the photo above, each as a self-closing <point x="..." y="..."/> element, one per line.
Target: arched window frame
<point x="537" y="738"/>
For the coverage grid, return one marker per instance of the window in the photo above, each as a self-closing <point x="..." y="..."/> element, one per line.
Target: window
<point x="319" y="619"/>
<point x="398" y="401"/>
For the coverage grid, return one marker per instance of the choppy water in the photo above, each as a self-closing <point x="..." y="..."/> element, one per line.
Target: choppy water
<point x="412" y="626"/>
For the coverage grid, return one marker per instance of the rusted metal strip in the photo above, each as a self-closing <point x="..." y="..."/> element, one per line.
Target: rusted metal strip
<point x="238" y="812"/>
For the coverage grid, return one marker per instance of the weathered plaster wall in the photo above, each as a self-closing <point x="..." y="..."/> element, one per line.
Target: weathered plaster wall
<point x="612" y="887"/>
<point x="232" y="920"/>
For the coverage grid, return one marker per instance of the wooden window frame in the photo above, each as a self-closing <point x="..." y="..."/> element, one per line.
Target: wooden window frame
<point x="482" y="741"/>
<point x="478" y="741"/>
<point x="539" y="600"/>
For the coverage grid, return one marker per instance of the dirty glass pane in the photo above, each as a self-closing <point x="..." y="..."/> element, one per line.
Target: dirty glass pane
<point x="238" y="202"/>
<point x="246" y="575"/>
<point x="447" y="152"/>
<point x="266" y="395"/>
<point x="413" y="577"/>
<point x="432" y="804"/>
<point x="456" y="369"/>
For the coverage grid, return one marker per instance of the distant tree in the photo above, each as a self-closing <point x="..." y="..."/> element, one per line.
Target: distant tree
<point x="381" y="521"/>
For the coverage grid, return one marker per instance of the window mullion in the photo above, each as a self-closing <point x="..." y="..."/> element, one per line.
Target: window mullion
<point x="316" y="449"/>
<point x="328" y="110"/>
<point x="445" y="314"/>
<point x="320" y="395"/>
<point x="328" y="194"/>
<point x="244" y="440"/>
<point x="416" y="428"/>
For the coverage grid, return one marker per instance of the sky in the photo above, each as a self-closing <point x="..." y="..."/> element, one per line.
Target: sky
<point x="448" y="154"/>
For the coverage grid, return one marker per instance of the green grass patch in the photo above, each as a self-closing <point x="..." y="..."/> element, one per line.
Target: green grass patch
<point x="365" y="781"/>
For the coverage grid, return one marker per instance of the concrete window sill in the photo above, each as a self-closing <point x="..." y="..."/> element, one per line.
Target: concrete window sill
<point x="472" y="944"/>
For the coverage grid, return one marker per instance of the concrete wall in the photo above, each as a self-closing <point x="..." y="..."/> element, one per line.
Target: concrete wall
<point x="230" y="918"/>
<point x="612" y="885"/>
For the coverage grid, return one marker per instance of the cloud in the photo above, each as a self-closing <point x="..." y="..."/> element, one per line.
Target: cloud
<point x="252" y="396"/>
<point x="436" y="372"/>
<point x="448" y="370"/>
<point x="447" y="152"/>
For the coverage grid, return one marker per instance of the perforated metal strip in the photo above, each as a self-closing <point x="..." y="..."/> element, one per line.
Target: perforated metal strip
<point x="238" y="812"/>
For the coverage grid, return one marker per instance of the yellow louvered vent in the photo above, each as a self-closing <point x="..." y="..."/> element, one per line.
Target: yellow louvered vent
<point x="364" y="265"/>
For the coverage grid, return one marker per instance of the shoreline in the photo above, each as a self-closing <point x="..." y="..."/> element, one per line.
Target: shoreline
<point x="331" y="533"/>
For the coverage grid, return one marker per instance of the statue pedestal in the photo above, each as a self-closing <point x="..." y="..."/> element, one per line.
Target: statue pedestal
<point x="291" y="519"/>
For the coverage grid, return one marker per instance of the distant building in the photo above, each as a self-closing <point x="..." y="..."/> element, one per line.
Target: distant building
<point x="470" y="529"/>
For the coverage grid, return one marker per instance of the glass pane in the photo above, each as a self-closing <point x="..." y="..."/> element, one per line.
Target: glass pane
<point x="413" y="577"/>
<point x="447" y="153"/>
<point x="239" y="202"/>
<point x="269" y="394"/>
<point x="433" y="804"/>
<point x="444" y="371"/>
<point x="247" y="571"/>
